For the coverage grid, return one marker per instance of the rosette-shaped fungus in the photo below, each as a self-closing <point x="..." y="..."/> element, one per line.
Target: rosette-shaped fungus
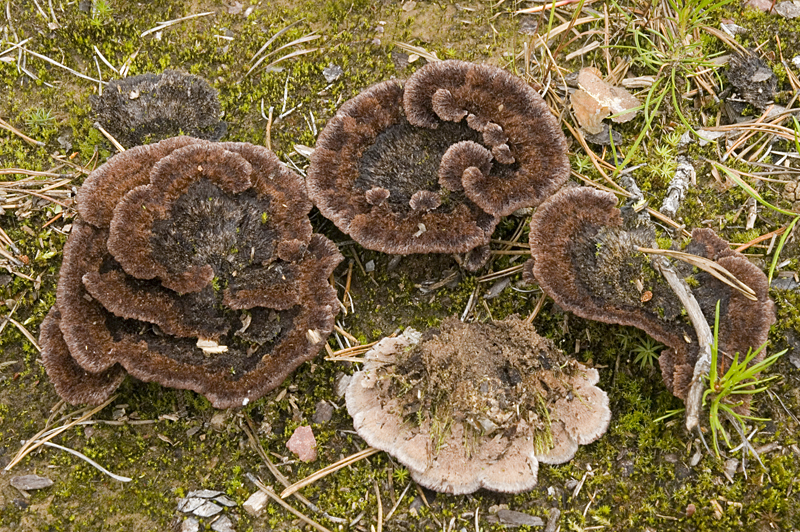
<point x="194" y="265"/>
<point x="586" y="259"/>
<point x="476" y="405"/>
<point x="431" y="165"/>
<point x="152" y="107"/>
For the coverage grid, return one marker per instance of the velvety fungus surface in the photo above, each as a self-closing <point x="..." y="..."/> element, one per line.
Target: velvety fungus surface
<point x="585" y="258"/>
<point x="430" y="165"/>
<point x="194" y="265"/>
<point x="152" y="107"/>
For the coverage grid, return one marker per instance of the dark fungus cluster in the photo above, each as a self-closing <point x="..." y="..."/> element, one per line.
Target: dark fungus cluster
<point x="151" y="107"/>
<point x="193" y="265"/>
<point x="432" y="164"/>
<point x="585" y="256"/>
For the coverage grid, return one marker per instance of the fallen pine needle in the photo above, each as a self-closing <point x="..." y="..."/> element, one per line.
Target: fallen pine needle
<point x="35" y="442"/>
<point x="269" y="492"/>
<point x="325" y="471"/>
<point x="87" y="459"/>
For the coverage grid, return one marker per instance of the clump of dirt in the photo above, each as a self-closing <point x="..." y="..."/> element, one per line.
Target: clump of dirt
<point x="486" y="375"/>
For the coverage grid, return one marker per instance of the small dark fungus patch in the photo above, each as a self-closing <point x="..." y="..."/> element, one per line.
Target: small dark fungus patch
<point x="430" y="165"/>
<point x="476" y="405"/>
<point x="194" y="265"/>
<point x="152" y="107"/>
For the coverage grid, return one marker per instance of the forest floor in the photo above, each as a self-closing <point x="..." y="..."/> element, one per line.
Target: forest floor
<point x="643" y="474"/>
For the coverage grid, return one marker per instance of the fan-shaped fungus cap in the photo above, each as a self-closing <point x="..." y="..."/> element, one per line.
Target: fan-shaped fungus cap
<point x="429" y="167"/>
<point x="152" y="107"/>
<point x="194" y="266"/>
<point x="744" y="323"/>
<point x="587" y="261"/>
<point x="477" y="405"/>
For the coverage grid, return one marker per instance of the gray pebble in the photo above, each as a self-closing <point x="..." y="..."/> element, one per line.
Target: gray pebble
<point x="512" y="518"/>
<point x="31" y="482"/>
<point x="190" y="525"/>
<point x="208" y="509"/>
<point x="225" y="501"/>
<point x="223" y="524"/>
<point x="323" y="412"/>
<point x="204" y="494"/>
<point x="190" y="504"/>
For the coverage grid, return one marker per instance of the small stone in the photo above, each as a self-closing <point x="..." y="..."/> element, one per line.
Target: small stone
<point x="369" y="266"/>
<point x="223" y="524"/>
<point x="571" y="484"/>
<point x="303" y="444"/>
<point x="190" y="504"/>
<point x="190" y="524"/>
<point x="788" y="9"/>
<point x="690" y="509"/>
<point x="323" y="412"/>
<point x="256" y="503"/>
<point x="332" y="72"/>
<point x="31" y="482"/>
<point x="512" y="518"/>
<point x="342" y="381"/>
<point x="730" y="468"/>
<point x="219" y="419"/>
<point x="204" y="494"/>
<point x="796" y="61"/>
<point x="208" y="509"/>
<point x="225" y="501"/>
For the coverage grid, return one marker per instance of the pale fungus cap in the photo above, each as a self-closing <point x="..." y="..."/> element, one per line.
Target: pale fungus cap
<point x="470" y="436"/>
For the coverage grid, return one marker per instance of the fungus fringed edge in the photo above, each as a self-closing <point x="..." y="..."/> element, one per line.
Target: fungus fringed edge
<point x="514" y="120"/>
<point x="461" y="451"/>
<point x="371" y="213"/>
<point x="589" y="264"/>
<point x="230" y="212"/>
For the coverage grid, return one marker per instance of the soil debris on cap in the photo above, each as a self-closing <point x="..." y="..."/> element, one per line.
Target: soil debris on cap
<point x="478" y="405"/>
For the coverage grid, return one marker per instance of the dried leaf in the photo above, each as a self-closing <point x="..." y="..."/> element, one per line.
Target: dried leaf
<point x="596" y="100"/>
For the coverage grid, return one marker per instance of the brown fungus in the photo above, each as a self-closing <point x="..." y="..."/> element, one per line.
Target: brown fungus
<point x="586" y="258"/>
<point x="194" y="265"/>
<point x="476" y="136"/>
<point x="152" y="107"/>
<point x="477" y="405"/>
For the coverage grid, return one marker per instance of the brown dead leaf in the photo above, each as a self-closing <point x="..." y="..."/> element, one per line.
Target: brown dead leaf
<point x="596" y="100"/>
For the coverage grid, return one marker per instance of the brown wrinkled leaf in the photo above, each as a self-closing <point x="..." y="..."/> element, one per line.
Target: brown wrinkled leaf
<point x="596" y="100"/>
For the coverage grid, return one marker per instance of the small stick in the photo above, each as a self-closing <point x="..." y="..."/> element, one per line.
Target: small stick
<point x="5" y="125"/>
<point x="346" y="334"/>
<point x="88" y="460"/>
<point x="537" y="308"/>
<point x="56" y="63"/>
<point x="380" y="506"/>
<point x="269" y="129"/>
<point x="34" y="442"/>
<point x="26" y="333"/>
<point x="391" y="512"/>
<point x="169" y="23"/>
<point x="325" y="471"/>
<point x="708" y="266"/>
<point x="347" y="282"/>
<point x="110" y="137"/>
<point x="269" y="492"/>
<point x="704" y="337"/>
